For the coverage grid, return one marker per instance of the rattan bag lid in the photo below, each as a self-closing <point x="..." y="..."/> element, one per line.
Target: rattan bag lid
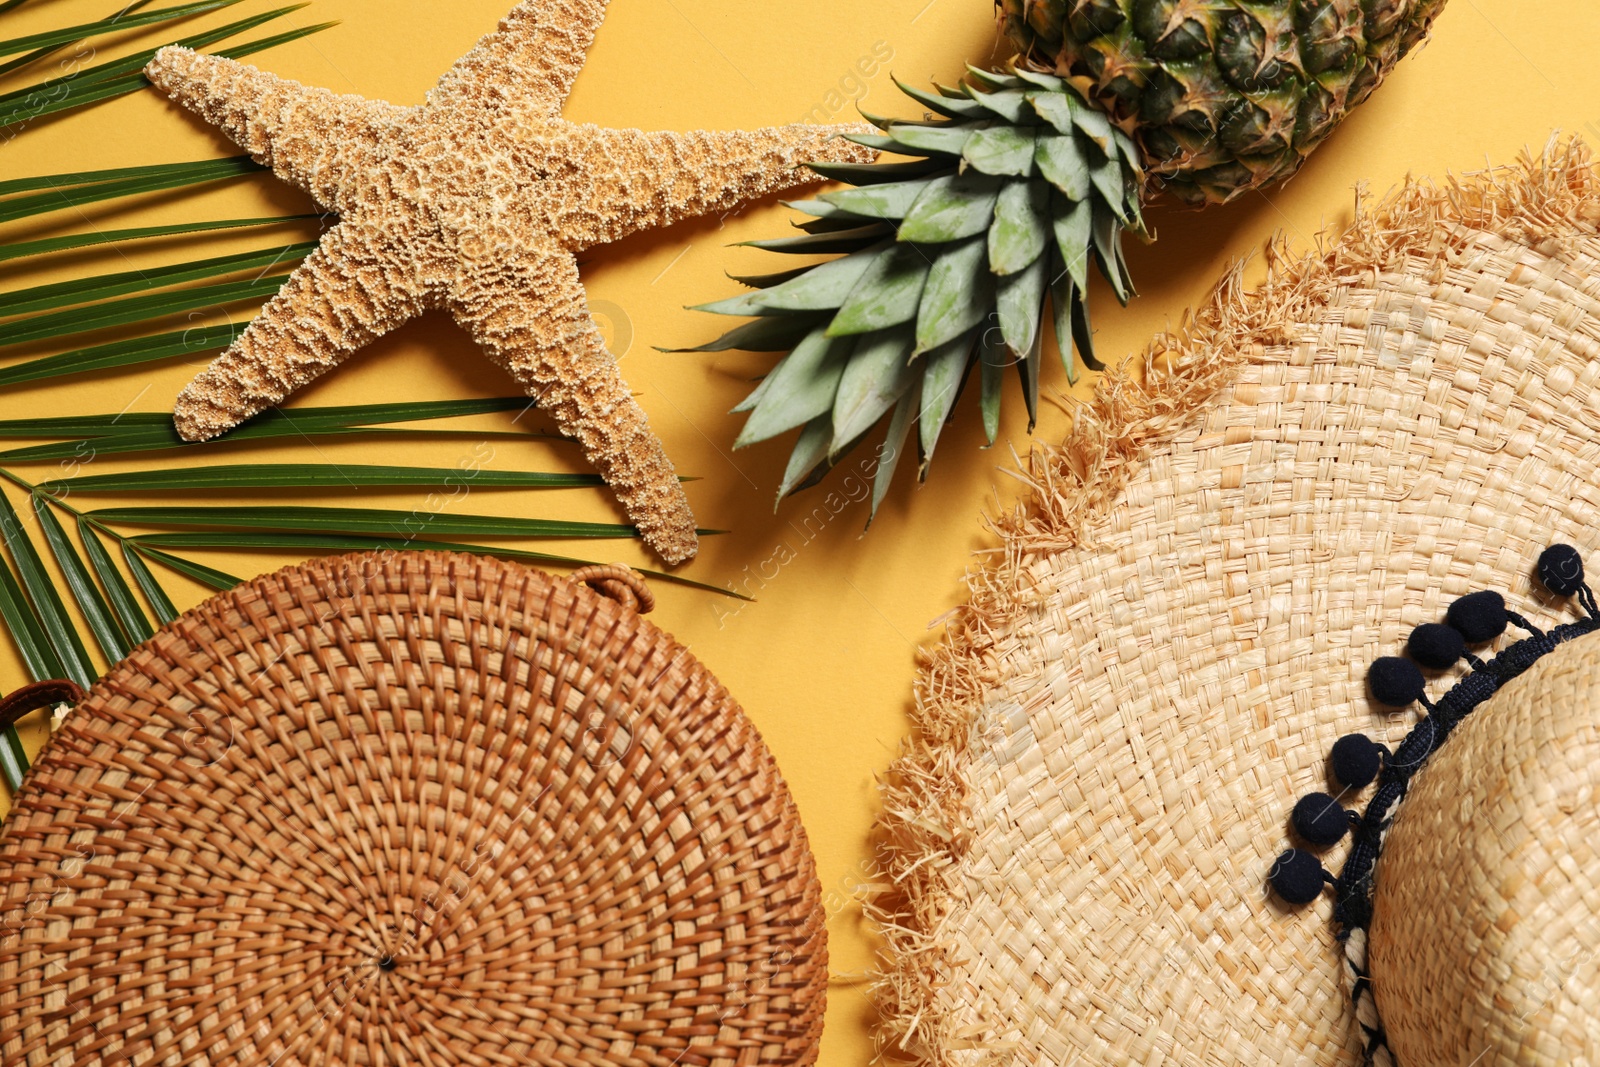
<point x="1118" y="729"/>
<point x="408" y="808"/>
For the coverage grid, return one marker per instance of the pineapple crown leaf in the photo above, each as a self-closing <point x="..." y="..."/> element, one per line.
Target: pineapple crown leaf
<point x="880" y="143"/>
<point x="880" y="121"/>
<point x="852" y="239"/>
<point x="874" y="173"/>
<point x="986" y="218"/>
<point x="990" y="78"/>
<point x="941" y="103"/>
<point x="1008" y="104"/>
<point x="767" y="281"/>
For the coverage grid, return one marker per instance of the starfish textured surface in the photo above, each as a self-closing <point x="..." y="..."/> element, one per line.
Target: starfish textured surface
<point x="476" y="202"/>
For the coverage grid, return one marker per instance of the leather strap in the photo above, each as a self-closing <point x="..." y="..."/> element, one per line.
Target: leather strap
<point x="36" y="695"/>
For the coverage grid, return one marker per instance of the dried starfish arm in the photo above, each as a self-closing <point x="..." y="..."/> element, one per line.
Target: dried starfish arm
<point x="528" y="64"/>
<point x="314" y="139"/>
<point x="554" y="350"/>
<point x="673" y="176"/>
<point x="345" y="295"/>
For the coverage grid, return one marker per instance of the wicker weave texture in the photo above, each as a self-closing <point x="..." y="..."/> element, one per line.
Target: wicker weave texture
<point x="1485" y="942"/>
<point x="410" y="808"/>
<point x="1141" y="691"/>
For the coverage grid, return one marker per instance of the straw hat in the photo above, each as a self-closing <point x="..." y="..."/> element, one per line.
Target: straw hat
<point x="409" y="808"/>
<point x="1117" y="730"/>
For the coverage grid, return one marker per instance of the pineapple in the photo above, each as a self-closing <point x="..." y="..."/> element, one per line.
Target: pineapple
<point x="953" y="255"/>
<point x="1221" y="96"/>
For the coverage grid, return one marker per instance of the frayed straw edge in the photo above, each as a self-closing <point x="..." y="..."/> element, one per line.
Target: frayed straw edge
<point x="925" y="829"/>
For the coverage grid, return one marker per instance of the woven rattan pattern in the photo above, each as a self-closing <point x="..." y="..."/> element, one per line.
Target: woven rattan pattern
<point x="1486" y="919"/>
<point x="1132" y="707"/>
<point x="408" y="809"/>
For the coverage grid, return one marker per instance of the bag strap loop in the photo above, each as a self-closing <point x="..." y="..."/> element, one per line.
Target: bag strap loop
<point x="622" y="584"/>
<point x="36" y="695"/>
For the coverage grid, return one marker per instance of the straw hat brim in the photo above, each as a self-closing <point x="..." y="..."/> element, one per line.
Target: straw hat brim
<point x="1116" y="727"/>
<point x="408" y="808"/>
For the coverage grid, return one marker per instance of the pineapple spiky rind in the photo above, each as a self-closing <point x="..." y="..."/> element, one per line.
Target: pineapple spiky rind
<point x="1222" y="97"/>
<point x="1008" y="190"/>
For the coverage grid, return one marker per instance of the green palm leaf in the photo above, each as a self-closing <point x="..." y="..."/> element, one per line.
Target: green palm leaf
<point x="104" y="286"/>
<point x="129" y="615"/>
<point x="152" y="431"/>
<point x="48" y="50"/>
<point x="221" y="581"/>
<point x="295" y="541"/>
<point x="166" y="439"/>
<point x="115" y="24"/>
<point x="135" y="62"/>
<point x="270" y="423"/>
<point x="38" y="659"/>
<point x="83" y="93"/>
<point x="250" y="48"/>
<point x="82" y="425"/>
<point x="24" y="249"/>
<point x="26" y="630"/>
<point x="124" y="353"/>
<point x="160" y="603"/>
<point x="315" y="476"/>
<point x="96" y="611"/>
<point x="41" y="590"/>
<point x="382" y="521"/>
<point x="126" y="75"/>
<point x="135" y="309"/>
<point x="89" y="187"/>
<point x="13" y="758"/>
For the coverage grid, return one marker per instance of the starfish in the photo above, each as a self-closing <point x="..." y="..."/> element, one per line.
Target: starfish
<point x="476" y="202"/>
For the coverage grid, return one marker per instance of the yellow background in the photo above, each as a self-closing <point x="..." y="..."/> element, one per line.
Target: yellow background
<point x="824" y="660"/>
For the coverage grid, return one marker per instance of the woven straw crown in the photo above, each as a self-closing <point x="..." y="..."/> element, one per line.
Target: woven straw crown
<point x="1117" y="728"/>
<point x="408" y="809"/>
<point x="1487" y="911"/>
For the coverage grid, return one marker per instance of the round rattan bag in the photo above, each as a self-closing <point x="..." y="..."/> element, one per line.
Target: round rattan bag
<point x="409" y="808"/>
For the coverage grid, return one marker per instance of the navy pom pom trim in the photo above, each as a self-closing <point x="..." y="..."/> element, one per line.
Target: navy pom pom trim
<point x="1298" y="877"/>
<point x="1436" y="646"/>
<point x="1479" y="617"/>
<point x="1356" y="761"/>
<point x="1561" y="569"/>
<point x="1396" y="682"/>
<point x="1320" y="819"/>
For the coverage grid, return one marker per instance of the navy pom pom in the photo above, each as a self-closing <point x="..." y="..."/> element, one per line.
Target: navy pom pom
<point x="1320" y="819"/>
<point x="1356" y="760"/>
<point x="1395" y="681"/>
<point x="1297" y="877"/>
<point x="1561" y="569"/>
<point x="1479" y="617"/>
<point x="1436" y="646"/>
